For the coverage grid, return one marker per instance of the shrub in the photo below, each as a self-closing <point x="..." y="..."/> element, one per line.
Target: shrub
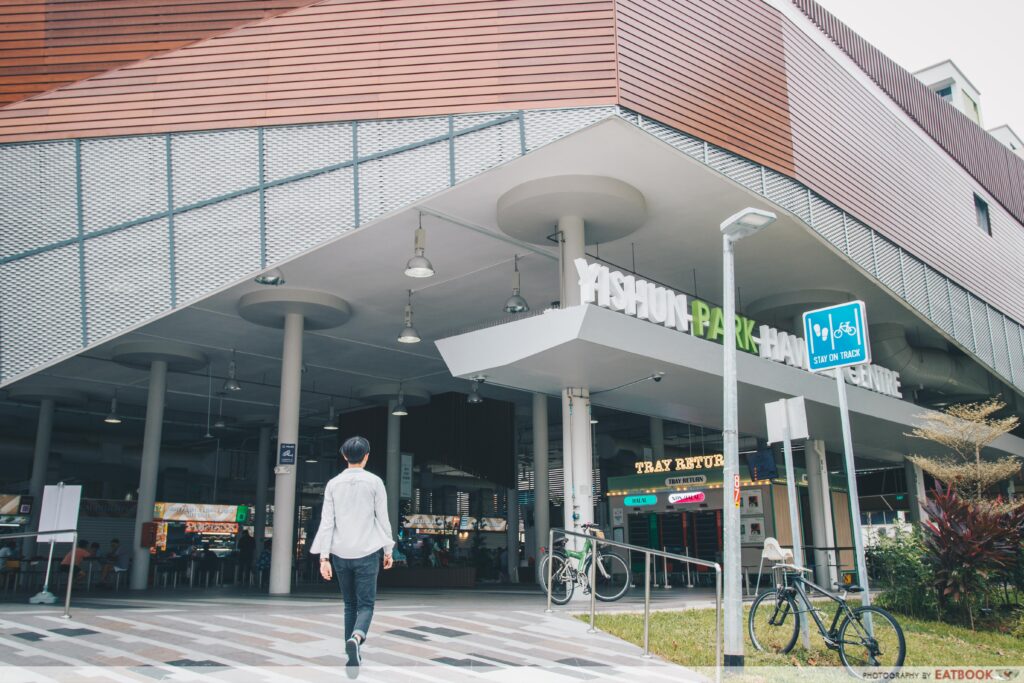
<point x="901" y="572"/>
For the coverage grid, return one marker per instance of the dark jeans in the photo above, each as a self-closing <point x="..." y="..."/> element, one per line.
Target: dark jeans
<point x="358" y="581"/>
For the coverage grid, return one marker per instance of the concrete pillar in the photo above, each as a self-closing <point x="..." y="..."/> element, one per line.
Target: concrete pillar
<point x="915" y="491"/>
<point x="40" y="462"/>
<point x="577" y="458"/>
<point x="822" y="530"/>
<point x="541" y="487"/>
<point x="394" y="466"/>
<point x="573" y="248"/>
<point x="512" y="535"/>
<point x="658" y="438"/>
<point x="283" y="549"/>
<point x="262" y="484"/>
<point x="149" y="469"/>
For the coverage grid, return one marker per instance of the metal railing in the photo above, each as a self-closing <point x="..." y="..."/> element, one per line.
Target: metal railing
<point x="49" y="561"/>
<point x="648" y="553"/>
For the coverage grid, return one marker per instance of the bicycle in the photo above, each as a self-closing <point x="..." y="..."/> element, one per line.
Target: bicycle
<point x="612" y="575"/>
<point x="868" y="638"/>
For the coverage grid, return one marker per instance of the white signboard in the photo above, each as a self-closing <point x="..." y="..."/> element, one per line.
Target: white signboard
<point x="777" y="414"/>
<point x="405" y="476"/>
<point x="59" y="511"/>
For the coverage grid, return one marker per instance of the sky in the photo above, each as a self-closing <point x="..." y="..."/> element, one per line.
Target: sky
<point x="983" y="37"/>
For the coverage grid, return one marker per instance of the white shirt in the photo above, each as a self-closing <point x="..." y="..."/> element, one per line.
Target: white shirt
<point x="354" y="522"/>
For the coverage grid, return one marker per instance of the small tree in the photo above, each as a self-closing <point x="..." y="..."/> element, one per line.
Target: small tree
<point x="966" y="429"/>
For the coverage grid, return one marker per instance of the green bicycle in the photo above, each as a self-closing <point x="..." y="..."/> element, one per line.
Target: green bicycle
<point x="572" y="567"/>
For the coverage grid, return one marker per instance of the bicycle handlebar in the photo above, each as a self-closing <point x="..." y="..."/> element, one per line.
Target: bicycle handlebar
<point x="795" y="568"/>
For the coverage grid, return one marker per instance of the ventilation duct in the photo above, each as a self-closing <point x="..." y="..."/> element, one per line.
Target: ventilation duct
<point x="929" y="369"/>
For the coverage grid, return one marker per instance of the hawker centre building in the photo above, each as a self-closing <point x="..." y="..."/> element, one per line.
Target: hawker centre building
<point x="209" y="217"/>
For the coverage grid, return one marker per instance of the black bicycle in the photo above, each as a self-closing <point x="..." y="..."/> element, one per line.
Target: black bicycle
<point x="868" y="639"/>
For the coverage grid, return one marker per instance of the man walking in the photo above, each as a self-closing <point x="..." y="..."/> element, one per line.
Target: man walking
<point x="354" y="540"/>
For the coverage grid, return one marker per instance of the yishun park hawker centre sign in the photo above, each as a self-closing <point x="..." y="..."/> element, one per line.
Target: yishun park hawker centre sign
<point x="636" y="297"/>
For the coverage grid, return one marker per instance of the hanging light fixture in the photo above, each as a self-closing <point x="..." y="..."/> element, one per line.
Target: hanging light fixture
<point x="593" y="420"/>
<point x="331" y="425"/>
<point x="419" y="265"/>
<point x="220" y="423"/>
<point x="474" y="397"/>
<point x="400" y="409"/>
<point x="231" y="384"/>
<point x="113" y="418"/>
<point x="516" y="303"/>
<point x="273" y="277"/>
<point x="209" y="401"/>
<point x="409" y="334"/>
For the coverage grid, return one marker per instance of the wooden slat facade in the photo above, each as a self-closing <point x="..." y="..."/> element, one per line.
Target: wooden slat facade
<point x="45" y="44"/>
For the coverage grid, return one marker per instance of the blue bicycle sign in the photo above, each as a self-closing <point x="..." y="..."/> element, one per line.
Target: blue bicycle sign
<point x="837" y="336"/>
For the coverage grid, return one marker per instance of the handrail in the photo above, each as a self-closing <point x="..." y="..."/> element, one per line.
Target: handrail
<point x="648" y="553"/>
<point x="49" y="561"/>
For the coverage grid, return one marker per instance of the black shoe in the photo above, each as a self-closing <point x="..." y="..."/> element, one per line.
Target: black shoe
<point x="352" y="650"/>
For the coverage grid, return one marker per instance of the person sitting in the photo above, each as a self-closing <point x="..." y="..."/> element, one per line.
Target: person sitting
<point x="74" y="558"/>
<point x="208" y="562"/>
<point x="117" y="561"/>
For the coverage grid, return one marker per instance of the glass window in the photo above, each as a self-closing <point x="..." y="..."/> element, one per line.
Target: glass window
<point x="981" y="210"/>
<point x="971" y="109"/>
<point x="945" y="93"/>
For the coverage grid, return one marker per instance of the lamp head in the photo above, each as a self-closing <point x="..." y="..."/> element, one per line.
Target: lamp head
<point x="746" y="223"/>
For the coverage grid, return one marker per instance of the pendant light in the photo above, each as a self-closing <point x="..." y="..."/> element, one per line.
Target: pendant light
<point x="272" y="277"/>
<point x="220" y="423"/>
<point x="419" y="265"/>
<point x="209" y="401"/>
<point x="231" y="384"/>
<point x="474" y="397"/>
<point x="400" y="409"/>
<point x="409" y="334"/>
<point x="516" y="303"/>
<point x="331" y="425"/>
<point x="113" y="418"/>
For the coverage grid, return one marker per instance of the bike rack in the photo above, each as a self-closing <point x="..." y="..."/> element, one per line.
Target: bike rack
<point x="648" y="553"/>
<point x="49" y="562"/>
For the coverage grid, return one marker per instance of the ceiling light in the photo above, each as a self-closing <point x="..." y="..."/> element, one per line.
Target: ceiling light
<point x="516" y="303"/>
<point x="419" y="265"/>
<point x="312" y="460"/>
<point x="220" y="423"/>
<point x="409" y="334"/>
<point x="272" y="277"/>
<point x="400" y="410"/>
<point x="746" y="222"/>
<point x="331" y="425"/>
<point x="113" y="418"/>
<point x="231" y="384"/>
<point x="474" y="397"/>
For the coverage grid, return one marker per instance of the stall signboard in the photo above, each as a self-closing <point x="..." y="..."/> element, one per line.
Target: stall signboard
<point x="214" y="528"/>
<point x="640" y="501"/>
<point x="198" y="512"/>
<point x="686" y="481"/>
<point x="405" y="477"/>
<point x="432" y="522"/>
<point x="687" y="497"/>
<point x="693" y="462"/>
<point x="493" y="524"/>
<point x="10" y="503"/>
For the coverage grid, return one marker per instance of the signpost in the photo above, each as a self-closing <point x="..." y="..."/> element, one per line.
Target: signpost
<point x="787" y="420"/>
<point x="59" y="511"/>
<point x="836" y="338"/>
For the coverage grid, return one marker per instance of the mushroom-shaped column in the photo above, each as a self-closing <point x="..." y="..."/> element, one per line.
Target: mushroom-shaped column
<point x="159" y="357"/>
<point x="293" y="310"/>
<point x="580" y="210"/>
<point x="47" y="398"/>
<point x="396" y="396"/>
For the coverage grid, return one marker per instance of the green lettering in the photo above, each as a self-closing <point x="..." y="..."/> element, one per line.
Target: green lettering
<point x="701" y="313"/>
<point x="715" y="329"/>
<point x="748" y="335"/>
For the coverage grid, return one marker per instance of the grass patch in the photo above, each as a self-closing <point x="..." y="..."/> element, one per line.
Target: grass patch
<point x="687" y="638"/>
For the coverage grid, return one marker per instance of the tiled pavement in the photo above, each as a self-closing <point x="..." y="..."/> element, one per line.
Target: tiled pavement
<point x="452" y="636"/>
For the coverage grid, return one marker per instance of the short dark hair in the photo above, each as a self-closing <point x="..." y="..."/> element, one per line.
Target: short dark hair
<point x="355" y="449"/>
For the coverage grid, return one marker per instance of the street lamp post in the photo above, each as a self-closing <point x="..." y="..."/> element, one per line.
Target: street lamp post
<point x="736" y="227"/>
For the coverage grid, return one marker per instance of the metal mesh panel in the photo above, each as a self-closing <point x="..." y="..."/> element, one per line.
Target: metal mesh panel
<point x="37" y="195"/>
<point x="744" y="172"/>
<point x="1016" y="343"/>
<point x="1000" y="352"/>
<point x="684" y="143"/>
<point x="307" y="212"/>
<point x="543" y="127"/>
<point x="979" y="316"/>
<point x="207" y="165"/>
<point x="484" y="149"/>
<point x="961" y="316"/>
<point x="399" y="180"/>
<point x="938" y="299"/>
<point x="215" y="245"/>
<point x="381" y="136"/>
<point x="127" y="278"/>
<point x="41" y="310"/>
<point x="291" y="150"/>
<point x="788" y="194"/>
<point x="859" y="237"/>
<point x="828" y="222"/>
<point x="887" y="261"/>
<point x="123" y="179"/>
<point x="916" y="283"/>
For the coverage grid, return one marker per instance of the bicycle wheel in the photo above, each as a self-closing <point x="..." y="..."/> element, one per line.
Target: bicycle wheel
<point x="562" y="580"/>
<point x="774" y="623"/>
<point x="880" y="648"/>
<point x="611" y="576"/>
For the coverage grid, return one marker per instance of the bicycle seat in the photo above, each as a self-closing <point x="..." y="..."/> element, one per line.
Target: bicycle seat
<point x="853" y="589"/>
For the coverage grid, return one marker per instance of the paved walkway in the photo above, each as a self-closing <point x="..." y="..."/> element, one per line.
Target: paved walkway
<point x="477" y="635"/>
